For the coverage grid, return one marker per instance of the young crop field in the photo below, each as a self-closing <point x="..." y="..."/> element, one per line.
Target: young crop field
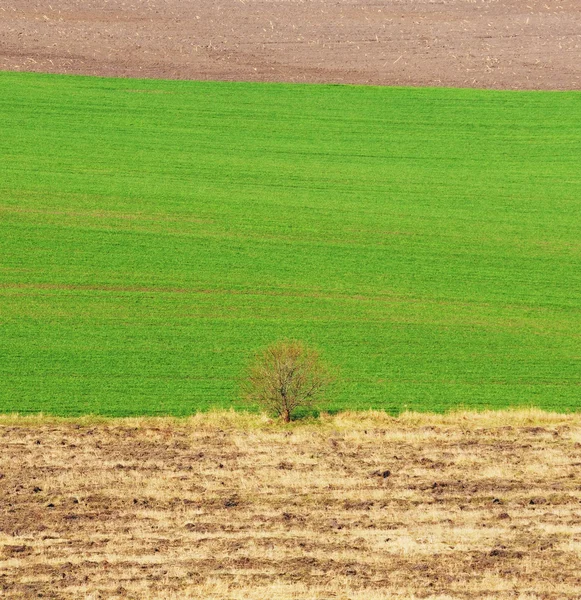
<point x="155" y="234"/>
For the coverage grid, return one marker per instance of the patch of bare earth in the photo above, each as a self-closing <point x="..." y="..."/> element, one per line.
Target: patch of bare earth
<point x="514" y="44"/>
<point x="232" y="506"/>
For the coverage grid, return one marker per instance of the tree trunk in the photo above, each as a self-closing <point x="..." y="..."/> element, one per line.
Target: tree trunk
<point x="286" y="415"/>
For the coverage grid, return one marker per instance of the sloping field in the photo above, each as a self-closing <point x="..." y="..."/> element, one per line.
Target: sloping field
<point x="153" y="234"/>
<point x="359" y="507"/>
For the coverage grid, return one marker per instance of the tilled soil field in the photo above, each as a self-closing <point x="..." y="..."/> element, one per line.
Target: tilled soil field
<point x="514" y="44"/>
<point x="232" y="506"/>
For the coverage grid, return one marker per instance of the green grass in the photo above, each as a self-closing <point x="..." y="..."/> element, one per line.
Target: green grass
<point x="154" y="234"/>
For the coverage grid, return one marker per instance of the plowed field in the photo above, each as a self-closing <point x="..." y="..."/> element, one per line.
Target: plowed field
<point x="515" y="44"/>
<point x="228" y="506"/>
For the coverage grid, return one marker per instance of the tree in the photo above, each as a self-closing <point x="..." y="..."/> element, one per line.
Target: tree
<point x="285" y="376"/>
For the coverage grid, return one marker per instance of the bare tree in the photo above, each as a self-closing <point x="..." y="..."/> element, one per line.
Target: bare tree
<point x="285" y="376"/>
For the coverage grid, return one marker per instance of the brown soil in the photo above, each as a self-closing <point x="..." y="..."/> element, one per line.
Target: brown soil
<point x="515" y="44"/>
<point x="223" y="506"/>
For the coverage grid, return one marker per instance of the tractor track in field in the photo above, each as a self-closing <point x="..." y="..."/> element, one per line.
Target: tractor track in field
<point x="501" y="44"/>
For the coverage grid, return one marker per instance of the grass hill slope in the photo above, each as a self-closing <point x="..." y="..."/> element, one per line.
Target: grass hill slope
<point x="153" y="234"/>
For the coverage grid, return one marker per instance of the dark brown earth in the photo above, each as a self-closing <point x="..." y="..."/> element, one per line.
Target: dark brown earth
<point x="513" y="44"/>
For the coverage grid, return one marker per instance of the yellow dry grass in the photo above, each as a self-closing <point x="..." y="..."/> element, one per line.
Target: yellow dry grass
<point x="234" y="506"/>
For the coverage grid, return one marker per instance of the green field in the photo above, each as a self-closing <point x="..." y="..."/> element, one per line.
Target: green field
<point x="154" y="234"/>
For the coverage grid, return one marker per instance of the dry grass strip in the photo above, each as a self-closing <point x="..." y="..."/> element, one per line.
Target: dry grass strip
<point x="224" y="506"/>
